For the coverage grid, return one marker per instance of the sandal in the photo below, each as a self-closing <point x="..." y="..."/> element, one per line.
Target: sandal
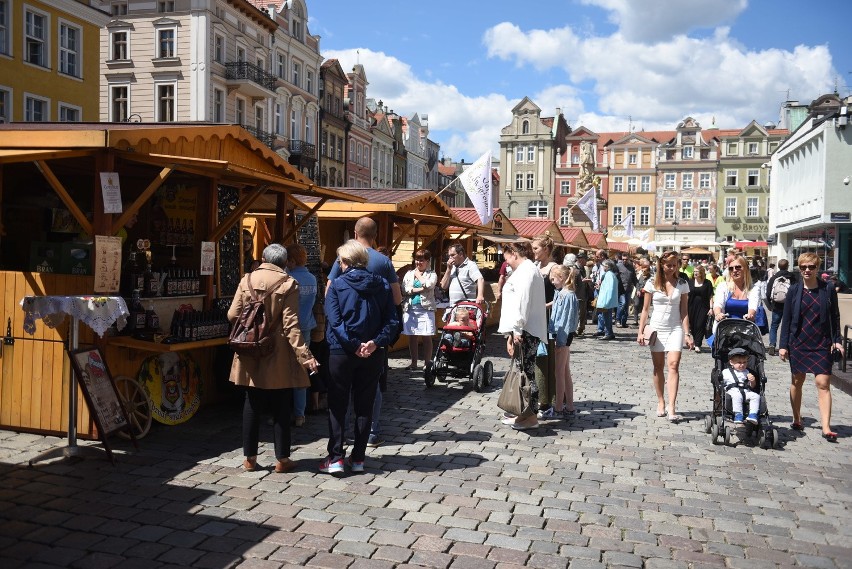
<point x="797" y="426"/>
<point x="675" y="418"/>
<point x="830" y="437"/>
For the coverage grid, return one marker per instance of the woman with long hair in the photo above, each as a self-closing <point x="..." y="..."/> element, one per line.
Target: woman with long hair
<point x="668" y="294"/>
<point x="810" y="333"/>
<point x="523" y="320"/>
<point x="700" y="305"/>
<point x="736" y="296"/>
<point x="542" y="248"/>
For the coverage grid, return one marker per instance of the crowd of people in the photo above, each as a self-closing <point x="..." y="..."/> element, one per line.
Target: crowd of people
<point x="337" y="342"/>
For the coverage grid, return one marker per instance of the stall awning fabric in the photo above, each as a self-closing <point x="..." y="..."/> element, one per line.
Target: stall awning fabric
<point x="751" y="244"/>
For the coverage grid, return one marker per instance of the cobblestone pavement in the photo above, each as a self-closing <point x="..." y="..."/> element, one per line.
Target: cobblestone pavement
<point x="453" y="488"/>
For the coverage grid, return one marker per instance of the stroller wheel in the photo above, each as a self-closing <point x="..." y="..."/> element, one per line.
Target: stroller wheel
<point x="708" y="423"/>
<point x="776" y="442"/>
<point x="488" y="372"/>
<point x="727" y="434"/>
<point x="714" y="433"/>
<point x="429" y="374"/>
<point x="478" y="380"/>
<point x="763" y="439"/>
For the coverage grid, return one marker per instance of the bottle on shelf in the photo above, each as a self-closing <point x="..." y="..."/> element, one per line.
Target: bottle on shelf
<point x="152" y="320"/>
<point x="137" y="315"/>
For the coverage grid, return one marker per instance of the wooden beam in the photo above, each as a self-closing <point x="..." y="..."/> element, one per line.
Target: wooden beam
<point x="304" y="220"/>
<point x="236" y="215"/>
<point x="143" y="197"/>
<point x="60" y="190"/>
<point x="403" y="235"/>
<point x="281" y="216"/>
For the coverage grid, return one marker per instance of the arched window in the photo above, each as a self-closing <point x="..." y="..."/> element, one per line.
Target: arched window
<point x="525" y="127"/>
<point x="537" y="208"/>
<point x="324" y="177"/>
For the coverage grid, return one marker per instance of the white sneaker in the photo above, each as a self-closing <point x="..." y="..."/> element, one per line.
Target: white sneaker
<point x="549" y="413"/>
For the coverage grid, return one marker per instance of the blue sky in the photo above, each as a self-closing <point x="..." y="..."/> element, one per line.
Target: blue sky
<point x="467" y="63"/>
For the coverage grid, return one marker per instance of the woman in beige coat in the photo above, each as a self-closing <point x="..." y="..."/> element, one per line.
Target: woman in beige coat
<point x="269" y="381"/>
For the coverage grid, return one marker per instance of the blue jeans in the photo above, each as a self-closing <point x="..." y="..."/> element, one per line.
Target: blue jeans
<point x="605" y="321"/>
<point x="623" y="306"/>
<point x="773" y="327"/>
<point x="300" y="400"/>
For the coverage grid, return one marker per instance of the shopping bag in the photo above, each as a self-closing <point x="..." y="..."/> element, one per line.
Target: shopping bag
<point x="542" y="350"/>
<point x="515" y="395"/>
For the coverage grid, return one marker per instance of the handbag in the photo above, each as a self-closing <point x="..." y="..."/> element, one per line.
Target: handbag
<point x="515" y="395"/>
<point x="708" y="325"/>
<point x="649" y="335"/>
<point x="760" y="316"/>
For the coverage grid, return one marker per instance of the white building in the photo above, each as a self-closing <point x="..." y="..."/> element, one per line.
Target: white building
<point x="811" y="187"/>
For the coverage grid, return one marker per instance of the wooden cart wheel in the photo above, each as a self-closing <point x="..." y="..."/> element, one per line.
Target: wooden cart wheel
<point x="137" y="403"/>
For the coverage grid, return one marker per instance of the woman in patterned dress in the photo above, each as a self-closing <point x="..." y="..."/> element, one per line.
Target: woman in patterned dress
<point x="810" y="332"/>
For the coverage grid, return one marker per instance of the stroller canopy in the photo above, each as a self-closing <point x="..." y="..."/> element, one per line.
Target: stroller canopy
<point x="738" y="333"/>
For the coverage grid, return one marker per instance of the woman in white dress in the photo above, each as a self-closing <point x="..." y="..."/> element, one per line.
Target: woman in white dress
<point x="668" y="294"/>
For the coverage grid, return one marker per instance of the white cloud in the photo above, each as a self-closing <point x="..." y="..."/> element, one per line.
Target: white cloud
<point x="650" y="21"/>
<point x="663" y="82"/>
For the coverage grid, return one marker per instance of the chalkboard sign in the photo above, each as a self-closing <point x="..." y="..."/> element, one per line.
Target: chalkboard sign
<point x="308" y="237"/>
<point x="229" y="244"/>
<point x="100" y="394"/>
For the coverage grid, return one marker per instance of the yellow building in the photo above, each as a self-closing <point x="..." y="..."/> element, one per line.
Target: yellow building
<point x="49" y="60"/>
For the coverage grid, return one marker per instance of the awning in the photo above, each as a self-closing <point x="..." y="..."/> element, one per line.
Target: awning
<point x="696" y="251"/>
<point x="751" y="244"/>
<point x="504" y="238"/>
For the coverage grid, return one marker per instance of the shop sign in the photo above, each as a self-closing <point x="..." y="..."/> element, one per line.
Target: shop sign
<point x="173" y="215"/>
<point x="841" y="216"/>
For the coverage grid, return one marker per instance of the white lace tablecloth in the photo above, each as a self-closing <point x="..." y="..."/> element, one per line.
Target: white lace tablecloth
<point x="97" y="312"/>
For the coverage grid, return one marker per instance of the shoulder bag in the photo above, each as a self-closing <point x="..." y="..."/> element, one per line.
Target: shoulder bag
<point x="649" y="335"/>
<point x="515" y="395"/>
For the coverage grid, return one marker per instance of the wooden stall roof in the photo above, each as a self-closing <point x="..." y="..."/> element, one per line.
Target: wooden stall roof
<point x="226" y="153"/>
<point x="532" y="227"/>
<point x="574" y="236"/>
<point x="469" y="215"/>
<point x="621" y="246"/>
<point x="596" y="240"/>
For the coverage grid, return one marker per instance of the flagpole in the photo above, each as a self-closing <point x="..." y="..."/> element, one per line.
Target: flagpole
<point x="439" y="193"/>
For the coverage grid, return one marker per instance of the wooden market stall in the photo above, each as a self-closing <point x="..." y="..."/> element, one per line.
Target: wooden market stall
<point x="483" y="245"/>
<point x="180" y="185"/>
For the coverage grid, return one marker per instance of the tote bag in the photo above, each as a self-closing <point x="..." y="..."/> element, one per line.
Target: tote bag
<point x="515" y="395"/>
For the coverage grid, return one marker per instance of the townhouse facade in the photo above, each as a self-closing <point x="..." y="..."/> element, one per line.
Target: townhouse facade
<point x="224" y="61"/>
<point x="332" y="164"/>
<point x="358" y="139"/>
<point x="49" y="54"/>
<point x="528" y="147"/>
<point x="631" y="160"/>
<point x="743" y="181"/>
<point x="686" y="185"/>
<point x="414" y="139"/>
<point x="381" y="169"/>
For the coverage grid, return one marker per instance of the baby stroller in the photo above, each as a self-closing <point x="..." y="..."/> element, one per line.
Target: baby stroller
<point x="738" y="333"/>
<point x="460" y="349"/>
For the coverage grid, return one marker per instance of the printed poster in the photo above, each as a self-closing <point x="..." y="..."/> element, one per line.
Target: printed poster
<point x="111" y="192"/>
<point x="208" y="257"/>
<point x="107" y="263"/>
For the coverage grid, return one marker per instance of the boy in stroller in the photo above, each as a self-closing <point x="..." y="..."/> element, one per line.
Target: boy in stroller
<point x="460" y="332"/>
<point x="740" y="383"/>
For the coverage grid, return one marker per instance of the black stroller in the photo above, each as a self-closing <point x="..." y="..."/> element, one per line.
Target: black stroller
<point x="460" y="348"/>
<point x="738" y="333"/>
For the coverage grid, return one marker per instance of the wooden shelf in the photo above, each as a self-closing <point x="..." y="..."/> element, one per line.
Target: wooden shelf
<point x="134" y="344"/>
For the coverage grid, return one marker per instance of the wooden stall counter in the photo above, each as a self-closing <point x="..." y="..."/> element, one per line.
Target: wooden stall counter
<point x="160" y="347"/>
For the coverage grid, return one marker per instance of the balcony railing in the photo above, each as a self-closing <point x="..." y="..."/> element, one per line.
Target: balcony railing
<point x="265" y="137"/>
<point x="250" y="71"/>
<point x="302" y="148"/>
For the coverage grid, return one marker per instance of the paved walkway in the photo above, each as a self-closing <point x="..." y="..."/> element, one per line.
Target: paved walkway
<point x="453" y="488"/>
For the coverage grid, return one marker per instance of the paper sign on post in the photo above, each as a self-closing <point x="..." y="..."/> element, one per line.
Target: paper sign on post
<point x="111" y="191"/>
<point x="107" y="263"/>
<point x="208" y="257"/>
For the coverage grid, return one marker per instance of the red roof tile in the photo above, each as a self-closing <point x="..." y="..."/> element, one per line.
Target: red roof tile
<point x="574" y="236"/>
<point x="595" y="239"/>
<point x="618" y="246"/>
<point x="532" y="227"/>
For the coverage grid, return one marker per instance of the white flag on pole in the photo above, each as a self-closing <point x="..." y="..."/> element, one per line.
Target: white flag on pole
<point x="476" y="180"/>
<point x="628" y="225"/>
<point x="588" y="204"/>
<point x="645" y="235"/>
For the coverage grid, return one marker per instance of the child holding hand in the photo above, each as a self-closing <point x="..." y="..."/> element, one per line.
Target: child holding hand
<point x="564" y="317"/>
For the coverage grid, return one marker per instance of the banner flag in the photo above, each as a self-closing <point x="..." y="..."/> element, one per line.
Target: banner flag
<point x="476" y="180"/>
<point x="588" y="204"/>
<point x="628" y="225"/>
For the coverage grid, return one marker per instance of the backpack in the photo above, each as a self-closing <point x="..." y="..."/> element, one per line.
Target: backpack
<point x="252" y="334"/>
<point x="779" y="290"/>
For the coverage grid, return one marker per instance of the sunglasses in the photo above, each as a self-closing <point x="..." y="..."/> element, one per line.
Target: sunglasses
<point x="808" y="267"/>
<point x="735" y="268"/>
